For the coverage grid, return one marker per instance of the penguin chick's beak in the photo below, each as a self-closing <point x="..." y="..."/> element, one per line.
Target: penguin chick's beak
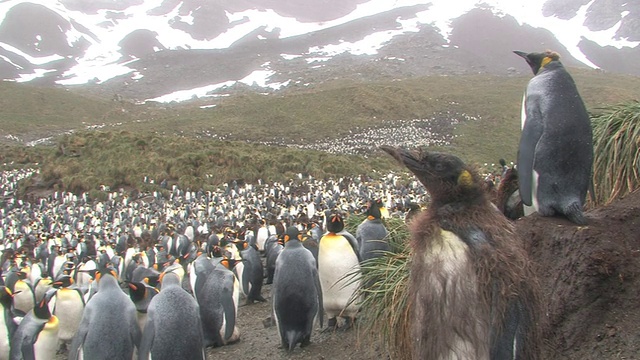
<point x="404" y="156"/>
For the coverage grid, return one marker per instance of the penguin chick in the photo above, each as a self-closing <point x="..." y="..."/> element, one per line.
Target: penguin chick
<point x="555" y="155"/>
<point x="297" y="294"/>
<point x="472" y="287"/>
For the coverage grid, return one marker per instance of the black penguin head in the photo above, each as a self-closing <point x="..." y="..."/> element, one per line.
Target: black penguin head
<point x="373" y="210"/>
<point x="335" y="223"/>
<point x="538" y="61"/>
<point x="6" y="297"/>
<point x="229" y="263"/>
<point x="41" y="310"/>
<point x="445" y="176"/>
<point x="137" y="291"/>
<point x="292" y="234"/>
<point x="63" y="281"/>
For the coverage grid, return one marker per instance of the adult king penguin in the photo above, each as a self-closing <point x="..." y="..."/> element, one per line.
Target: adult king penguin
<point x="337" y="258"/>
<point x="371" y="234"/>
<point x="37" y="335"/>
<point x="109" y="327"/>
<point x="555" y="156"/>
<point x="297" y="294"/>
<point x="7" y="325"/>
<point x="173" y="329"/>
<point x="471" y="286"/>
<point x="217" y="292"/>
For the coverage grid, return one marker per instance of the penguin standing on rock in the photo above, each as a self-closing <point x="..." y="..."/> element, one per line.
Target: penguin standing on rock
<point x="471" y="285"/>
<point x="555" y="155"/>
<point x="337" y="258"/>
<point x="297" y="294"/>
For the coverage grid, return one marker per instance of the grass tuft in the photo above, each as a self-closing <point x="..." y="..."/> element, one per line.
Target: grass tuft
<point x="616" y="134"/>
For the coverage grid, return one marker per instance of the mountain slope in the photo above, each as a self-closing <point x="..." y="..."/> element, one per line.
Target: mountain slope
<point x="141" y="50"/>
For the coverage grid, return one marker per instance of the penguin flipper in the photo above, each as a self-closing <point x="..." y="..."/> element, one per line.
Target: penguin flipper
<point x="531" y="134"/>
<point x="316" y="280"/>
<point x="246" y="278"/>
<point x="27" y="349"/>
<point x="229" y="311"/>
<point x="148" y="335"/>
<point x="508" y="342"/>
<point x="353" y="242"/>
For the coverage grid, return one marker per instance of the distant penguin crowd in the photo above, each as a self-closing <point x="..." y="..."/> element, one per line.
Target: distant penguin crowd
<point x="164" y="276"/>
<point x="143" y="265"/>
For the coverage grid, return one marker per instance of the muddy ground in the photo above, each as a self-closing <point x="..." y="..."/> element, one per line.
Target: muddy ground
<point x="590" y="278"/>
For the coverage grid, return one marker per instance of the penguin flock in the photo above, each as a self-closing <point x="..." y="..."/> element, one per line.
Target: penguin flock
<point x="164" y="277"/>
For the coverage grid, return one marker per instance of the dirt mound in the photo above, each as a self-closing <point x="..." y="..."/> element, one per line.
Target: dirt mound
<point x="590" y="276"/>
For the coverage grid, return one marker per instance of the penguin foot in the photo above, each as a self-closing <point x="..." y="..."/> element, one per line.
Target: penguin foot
<point x="348" y="323"/>
<point x="268" y="322"/>
<point x="306" y="341"/>
<point x="332" y="324"/>
<point x="573" y="212"/>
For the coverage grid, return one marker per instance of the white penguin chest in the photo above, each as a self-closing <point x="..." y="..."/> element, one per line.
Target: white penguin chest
<point x="4" y="337"/>
<point x="47" y="341"/>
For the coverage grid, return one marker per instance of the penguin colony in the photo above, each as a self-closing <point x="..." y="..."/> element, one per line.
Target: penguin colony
<point x="148" y="268"/>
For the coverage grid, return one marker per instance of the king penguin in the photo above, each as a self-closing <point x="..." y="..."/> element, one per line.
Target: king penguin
<point x="141" y="295"/>
<point x="173" y="329"/>
<point x="23" y="296"/>
<point x="109" y="328"/>
<point x="471" y="285"/>
<point x="7" y="325"/>
<point x="371" y="234"/>
<point x="37" y="335"/>
<point x="297" y="294"/>
<point x="69" y="306"/>
<point x="338" y="258"/>
<point x="555" y="155"/>
<point x="218" y="292"/>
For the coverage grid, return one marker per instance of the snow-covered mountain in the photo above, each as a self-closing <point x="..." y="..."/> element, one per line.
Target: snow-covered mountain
<point x="174" y="50"/>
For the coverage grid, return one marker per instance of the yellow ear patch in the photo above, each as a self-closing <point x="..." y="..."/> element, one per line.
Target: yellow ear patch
<point x="465" y="179"/>
<point x="545" y="61"/>
<point x="286" y="238"/>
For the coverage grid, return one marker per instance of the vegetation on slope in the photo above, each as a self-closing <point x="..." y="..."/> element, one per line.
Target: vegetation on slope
<point x="177" y="141"/>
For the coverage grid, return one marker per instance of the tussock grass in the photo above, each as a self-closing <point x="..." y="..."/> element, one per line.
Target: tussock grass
<point x="84" y="161"/>
<point x="385" y="306"/>
<point x="616" y="134"/>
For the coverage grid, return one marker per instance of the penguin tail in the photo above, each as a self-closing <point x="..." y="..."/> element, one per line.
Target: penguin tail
<point x="293" y="338"/>
<point x="573" y="212"/>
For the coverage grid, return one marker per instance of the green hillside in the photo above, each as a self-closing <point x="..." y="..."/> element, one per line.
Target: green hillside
<point x="166" y="140"/>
